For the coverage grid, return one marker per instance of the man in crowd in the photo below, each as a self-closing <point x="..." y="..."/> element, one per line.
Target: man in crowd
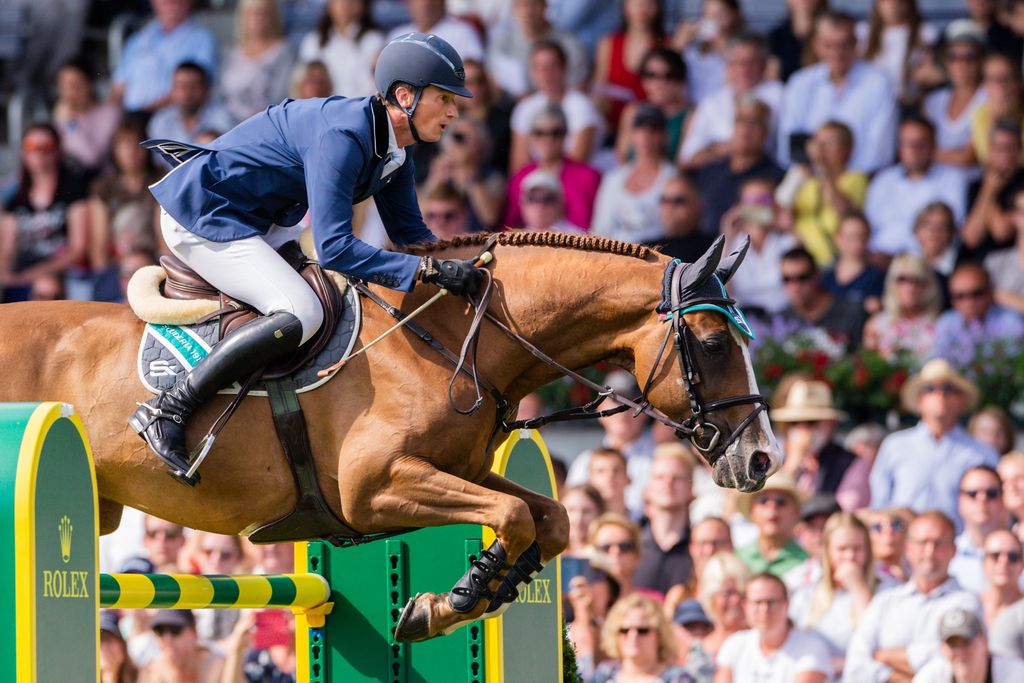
<point x="446" y="210"/>
<point x="608" y="477"/>
<point x="680" y="209"/>
<point x="811" y="305"/>
<point x="982" y="511"/>
<point x="142" y="79"/>
<point x="965" y="654"/>
<point x="775" y="510"/>
<point x="899" y="631"/>
<point x="843" y="88"/>
<point x="431" y="16"/>
<point x="709" y="536"/>
<point x="182" y="656"/>
<point x="975" y="318"/>
<point x="897" y="194"/>
<point x="921" y="467"/>
<point x="163" y="541"/>
<point x="191" y="110"/>
<point x="719" y="181"/>
<point x="664" y="555"/>
<point x="990" y="198"/>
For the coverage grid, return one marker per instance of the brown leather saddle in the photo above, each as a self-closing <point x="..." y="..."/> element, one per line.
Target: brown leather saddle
<point x="184" y="283"/>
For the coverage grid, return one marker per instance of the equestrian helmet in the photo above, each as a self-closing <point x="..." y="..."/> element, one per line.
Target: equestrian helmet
<point x="420" y="59"/>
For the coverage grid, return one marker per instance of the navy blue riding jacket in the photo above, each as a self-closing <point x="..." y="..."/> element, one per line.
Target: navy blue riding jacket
<point x="320" y="154"/>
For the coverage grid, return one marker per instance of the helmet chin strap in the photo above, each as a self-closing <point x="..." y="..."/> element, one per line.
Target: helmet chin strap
<point x="409" y="111"/>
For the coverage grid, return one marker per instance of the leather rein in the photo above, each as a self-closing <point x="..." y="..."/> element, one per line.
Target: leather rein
<point x="705" y="436"/>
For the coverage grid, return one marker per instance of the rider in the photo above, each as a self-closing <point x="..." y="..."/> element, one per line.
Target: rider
<point x="223" y="203"/>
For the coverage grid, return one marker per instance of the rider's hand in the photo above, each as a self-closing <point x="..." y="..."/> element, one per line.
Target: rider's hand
<point x="456" y="275"/>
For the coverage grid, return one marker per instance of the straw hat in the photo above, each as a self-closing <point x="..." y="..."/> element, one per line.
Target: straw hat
<point x="808" y="401"/>
<point x="782" y="482"/>
<point x="937" y="371"/>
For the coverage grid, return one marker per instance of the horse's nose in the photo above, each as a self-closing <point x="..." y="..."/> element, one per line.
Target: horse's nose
<point x="760" y="464"/>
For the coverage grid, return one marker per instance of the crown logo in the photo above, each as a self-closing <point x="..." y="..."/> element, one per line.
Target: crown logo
<point x="64" y="529"/>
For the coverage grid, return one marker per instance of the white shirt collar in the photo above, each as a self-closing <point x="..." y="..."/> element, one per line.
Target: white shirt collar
<point x="396" y="154"/>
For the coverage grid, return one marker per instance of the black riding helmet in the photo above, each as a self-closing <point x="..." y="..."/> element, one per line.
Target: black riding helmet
<point x="420" y="60"/>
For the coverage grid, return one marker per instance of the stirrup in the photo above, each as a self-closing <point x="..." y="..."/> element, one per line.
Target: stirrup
<point x="177" y="468"/>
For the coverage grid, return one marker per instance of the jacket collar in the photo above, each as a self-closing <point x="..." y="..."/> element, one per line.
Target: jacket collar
<point x="379" y="121"/>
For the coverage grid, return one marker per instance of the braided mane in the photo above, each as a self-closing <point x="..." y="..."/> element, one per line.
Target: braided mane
<point x="524" y="238"/>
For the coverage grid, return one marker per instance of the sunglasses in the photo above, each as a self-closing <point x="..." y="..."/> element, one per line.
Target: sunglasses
<point x="219" y="553"/>
<point x="1010" y="555"/>
<point x="767" y="602"/>
<point x="640" y="630"/>
<point x="962" y="56"/>
<point x="895" y="525"/>
<point x="658" y="76"/>
<point x="440" y="216"/>
<point x="943" y="388"/>
<point x="541" y="198"/>
<point x="169" y="534"/>
<point x="623" y="547"/>
<point x="548" y="132"/>
<point x="779" y="499"/>
<point x="968" y="294"/>
<point x="908" y="280"/>
<point x="29" y="146"/>
<point x="161" y="631"/>
<point x="988" y="493"/>
<point x="675" y="200"/>
<point x="799" y="277"/>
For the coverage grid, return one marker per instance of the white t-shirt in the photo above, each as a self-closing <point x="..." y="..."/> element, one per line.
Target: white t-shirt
<point x="759" y="281"/>
<point x="1004" y="670"/>
<point x="802" y="651"/>
<point x="580" y="114"/>
<point x="712" y="121"/>
<point x="349" y="61"/>
<point x="624" y="215"/>
<point x="950" y="133"/>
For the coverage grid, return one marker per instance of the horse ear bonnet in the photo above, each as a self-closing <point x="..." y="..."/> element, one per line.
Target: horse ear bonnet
<point x="730" y="263"/>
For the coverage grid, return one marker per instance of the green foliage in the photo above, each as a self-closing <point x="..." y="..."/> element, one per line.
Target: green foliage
<point x="570" y="669"/>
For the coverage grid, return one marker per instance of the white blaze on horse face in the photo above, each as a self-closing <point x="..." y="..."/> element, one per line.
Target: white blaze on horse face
<point x="766" y="439"/>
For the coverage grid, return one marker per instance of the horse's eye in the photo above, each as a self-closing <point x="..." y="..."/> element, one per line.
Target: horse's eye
<point x="713" y="346"/>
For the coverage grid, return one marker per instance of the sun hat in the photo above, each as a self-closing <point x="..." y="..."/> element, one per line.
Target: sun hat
<point x="808" y="401"/>
<point x="937" y="371"/>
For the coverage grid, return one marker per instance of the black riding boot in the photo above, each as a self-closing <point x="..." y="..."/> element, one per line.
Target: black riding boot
<point x="161" y="420"/>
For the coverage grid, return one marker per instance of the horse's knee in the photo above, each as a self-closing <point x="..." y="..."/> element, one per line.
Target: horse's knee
<point x="515" y="526"/>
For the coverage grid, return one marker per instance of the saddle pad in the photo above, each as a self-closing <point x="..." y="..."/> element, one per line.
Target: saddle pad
<point x="167" y="351"/>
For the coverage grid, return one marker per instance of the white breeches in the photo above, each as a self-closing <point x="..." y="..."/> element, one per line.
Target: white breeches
<point x="249" y="270"/>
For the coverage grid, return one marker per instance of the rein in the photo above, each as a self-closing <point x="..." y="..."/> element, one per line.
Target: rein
<point x="705" y="436"/>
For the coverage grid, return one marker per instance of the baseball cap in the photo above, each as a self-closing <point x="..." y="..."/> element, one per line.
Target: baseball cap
<point x="173" y="617"/>
<point x="959" y="623"/>
<point x="137" y="565"/>
<point x="649" y="116"/>
<point x="545" y="180"/>
<point x="690" y="612"/>
<point x="965" y="30"/>
<point x="110" y="622"/>
<point x="819" y="504"/>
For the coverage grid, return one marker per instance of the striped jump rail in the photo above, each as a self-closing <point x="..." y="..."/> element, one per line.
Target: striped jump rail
<point x="307" y="594"/>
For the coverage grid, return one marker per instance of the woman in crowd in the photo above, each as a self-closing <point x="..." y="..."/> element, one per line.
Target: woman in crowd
<point x="888" y="529"/>
<point x="951" y="108"/>
<point x="638" y="641"/>
<point x="618" y="537"/>
<point x="663" y="77"/>
<point x="590" y="597"/>
<point x="830" y="191"/>
<point x="584" y="124"/>
<point x="789" y="41"/>
<point x="910" y="303"/>
<point x="853" y="275"/>
<point x="1011" y="471"/>
<point x="463" y="162"/>
<point x="773" y="649"/>
<point x="347" y="41"/>
<point x="936" y="234"/>
<point x="86" y="125"/>
<point x="627" y="202"/>
<point x="579" y="181"/>
<point x="115" y="664"/>
<point x="257" y="70"/>
<point x="993" y="426"/>
<point x="618" y="63"/>
<point x="122" y="211"/>
<point x="583" y="504"/>
<point x="1002" y="564"/>
<point x="44" y="231"/>
<point x="490" y="106"/>
<point x="1006" y="266"/>
<point x="703" y="44"/>
<point x="722" y="584"/>
<point x="833" y="604"/>
<point x="1003" y="92"/>
<point x="311" y="79"/>
<point x="896" y="40"/>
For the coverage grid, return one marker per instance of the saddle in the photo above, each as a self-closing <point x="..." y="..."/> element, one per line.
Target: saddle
<point x="183" y="283"/>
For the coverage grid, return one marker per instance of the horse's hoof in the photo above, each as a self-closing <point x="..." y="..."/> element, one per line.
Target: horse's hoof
<point x="414" y="624"/>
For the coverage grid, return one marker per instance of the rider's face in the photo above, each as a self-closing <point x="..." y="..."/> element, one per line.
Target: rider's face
<point x="435" y="111"/>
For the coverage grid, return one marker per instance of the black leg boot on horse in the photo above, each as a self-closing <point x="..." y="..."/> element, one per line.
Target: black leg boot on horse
<point x="161" y="420"/>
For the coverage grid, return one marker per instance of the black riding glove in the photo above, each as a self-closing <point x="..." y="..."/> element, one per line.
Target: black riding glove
<point x="456" y="275"/>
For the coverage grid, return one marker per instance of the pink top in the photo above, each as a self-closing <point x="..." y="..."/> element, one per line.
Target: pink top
<point x="579" y="186"/>
<point x="88" y="138"/>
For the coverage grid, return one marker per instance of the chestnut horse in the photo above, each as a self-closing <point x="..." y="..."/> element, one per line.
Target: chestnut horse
<point x="390" y="451"/>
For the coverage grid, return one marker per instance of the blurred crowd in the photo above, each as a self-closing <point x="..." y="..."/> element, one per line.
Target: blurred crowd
<point x="876" y="163"/>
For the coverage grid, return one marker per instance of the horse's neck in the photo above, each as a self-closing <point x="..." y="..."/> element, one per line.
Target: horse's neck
<point x="578" y="307"/>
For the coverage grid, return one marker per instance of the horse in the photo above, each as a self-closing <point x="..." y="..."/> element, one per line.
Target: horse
<point x="390" y="452"/>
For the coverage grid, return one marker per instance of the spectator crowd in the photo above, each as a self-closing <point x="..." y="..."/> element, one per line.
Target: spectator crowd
<point x="876" y="164"/>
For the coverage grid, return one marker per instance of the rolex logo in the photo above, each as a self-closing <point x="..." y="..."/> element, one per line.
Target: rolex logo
<point x="64" y="528"/>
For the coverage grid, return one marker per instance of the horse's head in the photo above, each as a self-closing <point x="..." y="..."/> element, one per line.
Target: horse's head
<point x="698" y="372"/>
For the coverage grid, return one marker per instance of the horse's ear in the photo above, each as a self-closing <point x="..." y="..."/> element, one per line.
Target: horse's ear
<point x="701" y="269"/>
<point x="731" y="262"/>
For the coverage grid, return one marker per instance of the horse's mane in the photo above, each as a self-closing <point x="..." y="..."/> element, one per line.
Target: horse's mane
<point x="525" y="238"/>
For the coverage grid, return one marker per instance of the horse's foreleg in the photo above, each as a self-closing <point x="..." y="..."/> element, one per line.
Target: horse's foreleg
<point x="419" y="495"/>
